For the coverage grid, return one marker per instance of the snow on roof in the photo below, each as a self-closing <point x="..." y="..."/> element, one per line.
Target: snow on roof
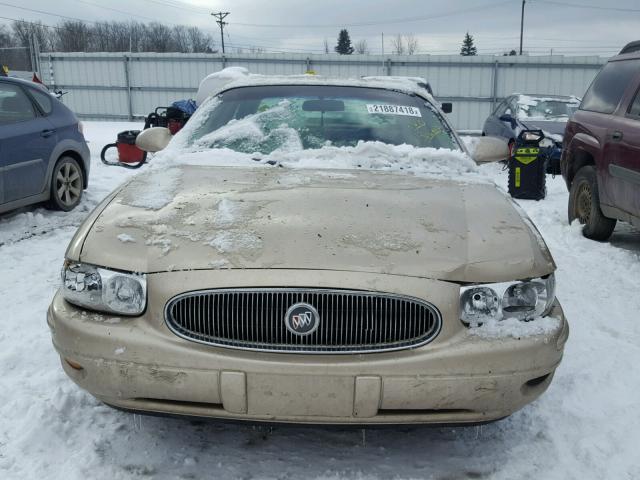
<point x="234" y="77"/>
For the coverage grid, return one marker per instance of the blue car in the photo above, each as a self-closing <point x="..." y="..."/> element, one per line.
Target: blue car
<point x="43" y="154"/>
<point x="548" y="113"/>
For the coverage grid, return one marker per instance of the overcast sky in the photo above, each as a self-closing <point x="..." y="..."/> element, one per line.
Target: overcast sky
<point x="566" y="26"/>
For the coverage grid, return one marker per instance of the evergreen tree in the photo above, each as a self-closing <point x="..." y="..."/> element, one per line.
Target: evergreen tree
<point x="468" y="48"/>
<point x="344" y="43"/>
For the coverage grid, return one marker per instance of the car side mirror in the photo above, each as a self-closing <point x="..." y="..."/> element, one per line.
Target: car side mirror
<point x="153" y="139"/>
<point x="490" y="149"/>
<point x="447" y="107"/>
<point x="506" y="117"/>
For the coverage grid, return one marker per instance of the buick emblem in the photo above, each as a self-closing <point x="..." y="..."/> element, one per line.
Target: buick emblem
<point x="302" y="319"/>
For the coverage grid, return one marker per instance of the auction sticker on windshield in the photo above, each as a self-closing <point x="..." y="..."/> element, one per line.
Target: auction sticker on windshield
<point x="393" y="109"/>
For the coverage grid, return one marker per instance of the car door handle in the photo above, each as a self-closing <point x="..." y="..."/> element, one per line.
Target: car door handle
<point x="47" y="133"/>
<point x="616" y="135"/>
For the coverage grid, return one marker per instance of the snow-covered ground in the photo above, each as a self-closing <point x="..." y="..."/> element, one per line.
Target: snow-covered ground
<point x="587" y="425"/>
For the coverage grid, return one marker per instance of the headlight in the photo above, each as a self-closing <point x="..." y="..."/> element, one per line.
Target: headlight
<point x="105" y="290"/>
<point x="521" y="300"/>
<point x="546" y="142"/>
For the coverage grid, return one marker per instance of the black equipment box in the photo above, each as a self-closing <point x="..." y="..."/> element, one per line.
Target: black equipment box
<point x="527" y="167"/>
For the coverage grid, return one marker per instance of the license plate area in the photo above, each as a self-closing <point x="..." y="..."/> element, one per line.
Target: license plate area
<point x="300" y="395"/>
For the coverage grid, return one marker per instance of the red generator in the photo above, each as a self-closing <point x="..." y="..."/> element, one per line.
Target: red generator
<point x="129" y="155"/>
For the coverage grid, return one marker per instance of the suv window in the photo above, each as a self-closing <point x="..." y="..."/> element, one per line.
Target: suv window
<point x="607" y="89"/>
<point x="634" y="109"/>
<point x="15" y="106"/>
<point x="43" y="99"/>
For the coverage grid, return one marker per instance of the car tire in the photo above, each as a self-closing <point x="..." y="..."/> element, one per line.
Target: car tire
<point x="584" y="206"/>
<point x="67" y="182"/>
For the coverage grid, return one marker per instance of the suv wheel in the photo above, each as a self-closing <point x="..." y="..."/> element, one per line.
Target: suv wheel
<point x="584" y="205"/>
<point x="67" y="182"/>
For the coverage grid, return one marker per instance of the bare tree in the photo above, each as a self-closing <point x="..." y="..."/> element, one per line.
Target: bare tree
<point x="397" y="45"/>
<point x="412" y="44"/>
<point x="199" y="42"/>
<point x="157" y="38"/>
<point x="180" y="38"/>
<point x="326" y="45"/>
<point x="73" y="36"/>
<point x="114" y="36"/>
<point x="362" y="47"/>
<point x="23" y="31"/>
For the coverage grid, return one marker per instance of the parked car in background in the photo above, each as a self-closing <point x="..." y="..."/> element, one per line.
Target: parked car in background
<point x="43" y="153"/>
<point x="601" y="154"/>
<point x="548" y="113"/>
<point x="311" y="250"/>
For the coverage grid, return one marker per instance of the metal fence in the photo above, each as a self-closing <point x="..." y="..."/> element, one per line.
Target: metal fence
<point x="130" y="85"/>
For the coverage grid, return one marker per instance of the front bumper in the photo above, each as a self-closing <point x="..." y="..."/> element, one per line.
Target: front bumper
<point x="139" y="364"/>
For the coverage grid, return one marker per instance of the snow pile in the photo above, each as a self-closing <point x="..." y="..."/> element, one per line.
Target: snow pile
<point x="154" y="189"/>
<point x="126" y="238"/>
<point x="261" y="131"/>
<point x="232" y="241"/>
<point x="512" y="327"/>
<point x="233" y="77"/>
<point x="216" y="81"/>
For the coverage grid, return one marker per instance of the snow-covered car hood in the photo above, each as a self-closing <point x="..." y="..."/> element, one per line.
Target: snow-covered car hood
<point x="198" y="217"/>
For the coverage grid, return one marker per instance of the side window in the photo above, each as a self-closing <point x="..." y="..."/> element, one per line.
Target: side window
<point x="15" y="106"/>
<point x="607" y="89"/>
<point x="508" y="107"/>
<point x="500" y="109"/>
<point x="634" y="109"/>
<point x="43" y="99"/>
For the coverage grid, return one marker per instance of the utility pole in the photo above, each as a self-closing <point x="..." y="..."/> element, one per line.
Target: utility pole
<point x="522" y="25"/>
<point x="220" y="21"/>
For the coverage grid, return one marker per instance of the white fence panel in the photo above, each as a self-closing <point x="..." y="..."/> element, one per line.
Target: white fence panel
<point x="130" y="85"/>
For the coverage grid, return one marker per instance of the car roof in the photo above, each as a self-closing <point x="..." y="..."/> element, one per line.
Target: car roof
<point x="631" y="51"/>
<point x="225" y="80"/>
<point x="20" y="81"/>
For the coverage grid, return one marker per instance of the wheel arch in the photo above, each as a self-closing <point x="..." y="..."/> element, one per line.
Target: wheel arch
<point x="583" y="150"/>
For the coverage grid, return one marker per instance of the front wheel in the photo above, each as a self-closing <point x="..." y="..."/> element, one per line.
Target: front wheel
<point x="67" y="182"/>
<point x="584" y="205"/>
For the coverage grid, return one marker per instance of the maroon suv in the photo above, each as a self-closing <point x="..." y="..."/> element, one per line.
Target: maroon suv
<point x="601" y="149"/>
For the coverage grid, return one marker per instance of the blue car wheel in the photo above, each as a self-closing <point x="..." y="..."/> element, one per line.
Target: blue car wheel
<point x="67" y="182"/>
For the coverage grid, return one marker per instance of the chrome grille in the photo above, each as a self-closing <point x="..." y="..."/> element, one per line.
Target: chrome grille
<point x="351" y="321"/>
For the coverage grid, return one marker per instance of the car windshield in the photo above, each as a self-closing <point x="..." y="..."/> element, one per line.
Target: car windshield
<point x="263" y="119"/>
<point x="546" y="108"/>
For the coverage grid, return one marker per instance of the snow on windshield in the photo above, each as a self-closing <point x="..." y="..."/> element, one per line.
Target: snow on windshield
<point x="546" y="108"/>
<point x="272" y="135"/>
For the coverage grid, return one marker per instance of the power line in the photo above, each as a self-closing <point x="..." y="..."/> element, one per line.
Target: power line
<point x="116" y="10"/>
<point x="378" y="22"/>
<point x="46" y="13"/>
<point x="593" y="7"/>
